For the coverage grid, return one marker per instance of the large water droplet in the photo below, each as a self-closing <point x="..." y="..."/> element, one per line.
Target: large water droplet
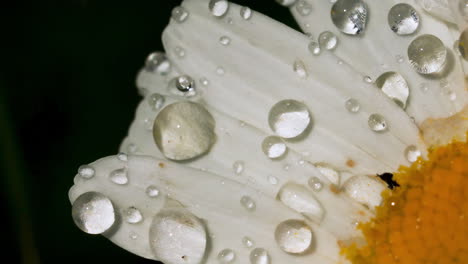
<point x="300" y="69"/>
<point x="463" y="44"/>
<point x="365" y="190"/>
<point x="303" y="7"/>
<point x="157" y="62"/>
<point x="259" y="256"/>
<point x="352" y="105"/>
<point x="403" y="19"/>
<point x="119" y="176"/>
<point x="247" y="242"/>
<point x="274" y="147"/>
<point x="327" y="40"/>
<point x="177" y="236"/>
<point x="245" y="12"/>
<point x="427" y="54"/>
<point x="289" y="118"/>
<point x="293" y="236"/>
<point x="93" y="213"/>
<point x="179" y="14"/>
<point x="394" y="86"/>
<point x="298" y="198"/>
<point x="349" y="16"/>
<point x="152" y="191"/>
<point x="332" y="174"/>
<point x="377" y="123"/>
<point x="184" y="130"/>
<point x="156" y="101"/>
<point x="218" y="8"/>
<point x="412" y="153"/>
<point x="132" y="215"/>
<point x="286" y="2"/>
<point x="226" y="255"/>
<point x="248" y="203"/>
<point x="86" y="171"/>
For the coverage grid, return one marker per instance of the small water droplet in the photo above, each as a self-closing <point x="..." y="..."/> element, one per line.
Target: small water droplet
<point x="180" y="52"/>
<point x="352" y="105"/>
<point x="247" y="242"/>
<point x="314" y="48"/>
<point x="179" y="14"/>
<point x="157" y="62"/>
<point x="224" y="40"/>
<point x="259" y="256"/>
<point x="315" y="183"/>
<point x="156" y="101"/>
<point x="220" y="70"/>
<point x="226" y="256"/>
<point x="349" y="16"/>
<point x="152" y="191"/>
<point x="365" y="189"/>
<point x="289" y="118"/>
<point x="185" y="83"/>
<point x="332" y="174"/>
<point x="184" y="130"/>
<point x="93" y="213"/>
<point x="412" y="153"/>
<point x="286" y="167"/>
<point x="303" y="7"/>
<point x="238" y="167"/>
<point x="403" y="19"/>
<point x="328" y="40"/>
<point x="293" y="236"/>
<point x="122" y="156"/>
<point x="272" y="180"/>
<point x="394" y="86"/>
<point x="245" y="12"/>
<point x="367" y="79"/>
<point x="274" y="147"/>
<point x="86" y="171"/>
<point x="204" y="81"/>
<point x="427" y="54"/>
<point x="248" y="203"/>
<point x="377" y="123"/>
<point x="424" y="87"/>
<point x="399" y="58"/>
<point x="218" y="8"/>
<point x="119" y="176"/>
<point x="286" y="2"/>
<point x="132" y="215"/>
<point x="133" y="236"/>
<point x="300" y="69"/>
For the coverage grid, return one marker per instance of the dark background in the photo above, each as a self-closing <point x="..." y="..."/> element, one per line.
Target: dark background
<point x="67" y="97"/>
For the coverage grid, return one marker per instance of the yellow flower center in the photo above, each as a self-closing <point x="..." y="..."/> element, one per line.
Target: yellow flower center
<point x="425" y="220"/>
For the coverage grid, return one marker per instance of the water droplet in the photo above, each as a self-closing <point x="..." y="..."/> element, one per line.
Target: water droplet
<point x="119" y="176"/>
<point x="259" y="256"/>
<point x="184" y="130"/>
<point x="412" y="153"/>
<point x="377" y="123"/>
<point x="204" y="81"/>
<point x="238" y="167"/>
<point x="332" y="174"/>
<point x="293" y="236"/>
<point x="247" y="242"/>
<point x="403" y="19"/>
<point x="367" y="79"/>
<point x="224" y="40"/>
<point x="272" y="179"/>
<point x="133" y="236"/>
<point x="179" y="51"/>
<point x="86" y="171"/>
<point x="274" y="147"/>
<point x="220" y="70"/>
<point x="152" y="191"/>
<point x="303" y="7"/>
<point x="177" y="236"/>
<point x="352" y="105"/>
<point x="245" y="12"/>
<point x="286" y="167"/>
<point x="156" y="101"/>
<point x="399" y="58"/>
<point x="349" y="16"/>
<point x="314" y="48"/>
<point x="315" y="183"/>
<point x="218" y="8"/>
<point x="395" y="87"/>
<point x="157" y="62"/>
<point x="122" y="156"/>
<point x="365" y="189"/>
<point x="300" y="69"/>
<point x="179" y="14"/>
<point x="185" y="83"/>
<point x="427" y="54"/>
<point x="286" y="2"/>
<point x="301" y="200"/>
<point x="226" y="255"/>
<point x="463" y="8"/>
<point x="248" y="203"/>
<point x="289" y="118"/>
<point x="93" y="213"/>
<point x="328" y="40"/>
<point x="424" y="87"/>
<point x="132" y="215"/>
<point x="463" y="44"/>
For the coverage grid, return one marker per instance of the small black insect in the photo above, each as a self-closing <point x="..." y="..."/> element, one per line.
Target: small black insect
<point x="388" y="178"/>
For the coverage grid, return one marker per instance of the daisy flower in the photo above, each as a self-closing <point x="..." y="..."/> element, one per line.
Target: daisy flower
<point x="258" y="144"/>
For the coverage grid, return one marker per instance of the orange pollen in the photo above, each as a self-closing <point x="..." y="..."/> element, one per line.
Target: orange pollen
<point x="425" y="220"/>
